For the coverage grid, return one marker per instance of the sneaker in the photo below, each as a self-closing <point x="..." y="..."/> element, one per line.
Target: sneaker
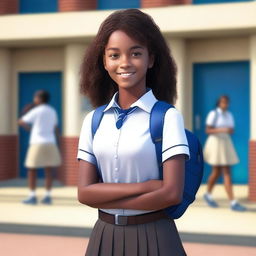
<point x="46" y="200"/>
<point x="238" y="207"/>
<point x="210" y="201"/>
<point x="31" y="200"/>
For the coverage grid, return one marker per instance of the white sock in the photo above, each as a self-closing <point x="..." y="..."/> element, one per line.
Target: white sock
<point x="32" y="193"/>
<point x="48" y="193"/>
<point x="209" y="195"/>
<point x="233" y="202"/>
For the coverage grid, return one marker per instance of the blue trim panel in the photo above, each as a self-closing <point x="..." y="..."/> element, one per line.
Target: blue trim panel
<point x="38" y="6"/>
<point x="117" y="4"/>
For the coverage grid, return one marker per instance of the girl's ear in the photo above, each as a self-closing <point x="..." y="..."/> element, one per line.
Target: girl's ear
<point x="151" y="61"/>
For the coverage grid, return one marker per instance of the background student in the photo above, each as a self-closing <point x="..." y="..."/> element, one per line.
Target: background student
<point x="219" y="151"/>
<point x="43" y="152"/>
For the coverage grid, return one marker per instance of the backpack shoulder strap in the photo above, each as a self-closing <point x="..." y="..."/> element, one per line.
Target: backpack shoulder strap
<point x="156" y="128"/>
<point x="216" y="116"/>
<point x="96" y="118"/>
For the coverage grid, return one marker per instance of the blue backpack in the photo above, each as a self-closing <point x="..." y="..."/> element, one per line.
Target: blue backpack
<point x="193" y="167"/>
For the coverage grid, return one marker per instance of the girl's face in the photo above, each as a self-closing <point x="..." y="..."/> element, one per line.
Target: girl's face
<point x="36" y="100"/>
<point x="127" y="61"/>
<point x="223" y="103"/>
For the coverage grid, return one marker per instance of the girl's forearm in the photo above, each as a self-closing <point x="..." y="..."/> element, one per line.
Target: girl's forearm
<point x="210" y="130"/>
<point x="156" y="200"/>
<point x="101" y="193"/>
<point x="24" y="125"/>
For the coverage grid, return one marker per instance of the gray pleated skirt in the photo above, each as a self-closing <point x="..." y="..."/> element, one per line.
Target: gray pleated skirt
<point x="159" y="238"/>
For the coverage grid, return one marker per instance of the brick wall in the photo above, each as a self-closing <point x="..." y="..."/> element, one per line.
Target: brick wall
<point x="252" y="171"/>
<point x="68" y="172"/>
<point x="159" y="3"/>
<point x="8" y="157"/>
<point x="76" y="5"/>
<point x="9" y="6"/>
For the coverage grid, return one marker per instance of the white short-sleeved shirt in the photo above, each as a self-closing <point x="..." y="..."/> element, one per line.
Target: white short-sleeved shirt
<point x="127" y="155"/>
<point x="219" y="118"/>
<point x="43" y="119"/>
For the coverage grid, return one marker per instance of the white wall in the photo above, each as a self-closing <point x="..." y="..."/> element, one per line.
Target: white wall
<point x="72" y="99"/>
<point x="5" y="92"/>
<point x="178" y="50"/>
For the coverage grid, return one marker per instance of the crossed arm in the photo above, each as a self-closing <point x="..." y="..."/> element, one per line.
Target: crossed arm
<point x="148" y="195"/>
<point x="213" y="130"/>
<point x="23" y="124"/>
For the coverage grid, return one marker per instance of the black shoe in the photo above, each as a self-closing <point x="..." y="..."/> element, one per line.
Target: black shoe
<point x="31" y="200"/>
<point x="46" y="200"/>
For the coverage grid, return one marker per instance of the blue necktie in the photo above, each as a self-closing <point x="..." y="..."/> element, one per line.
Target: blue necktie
<point x="122" y="114"/>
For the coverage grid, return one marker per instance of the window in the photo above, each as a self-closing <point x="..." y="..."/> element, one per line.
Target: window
<point x="38" y="6"/>
<point x="117" y="4"/>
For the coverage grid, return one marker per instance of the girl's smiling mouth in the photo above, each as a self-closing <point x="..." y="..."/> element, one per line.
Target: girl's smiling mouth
<point x="126" y="74"/>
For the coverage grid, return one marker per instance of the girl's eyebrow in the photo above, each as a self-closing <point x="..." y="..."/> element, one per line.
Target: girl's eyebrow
<point x="132" y="48"/>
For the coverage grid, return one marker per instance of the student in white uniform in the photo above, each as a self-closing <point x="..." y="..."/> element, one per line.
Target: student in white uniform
<point x="129" y="66"/>
<point x="43" y="151"/>
<point x="219" y="151"/>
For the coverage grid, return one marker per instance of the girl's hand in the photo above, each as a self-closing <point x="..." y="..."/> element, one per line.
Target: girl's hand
<point x="225" y="130"/>
<point x="212" y="130"/>
<point x="152" y="185"/>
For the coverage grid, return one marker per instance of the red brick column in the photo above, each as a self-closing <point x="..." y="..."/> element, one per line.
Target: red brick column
<point x="8" y="157"/>
<point x="77" y="5"/>
<point x="68" y="172"/>
<point x="252" y="171"/>
<point x="159" y="3"/>
<point x="8" y="6"/>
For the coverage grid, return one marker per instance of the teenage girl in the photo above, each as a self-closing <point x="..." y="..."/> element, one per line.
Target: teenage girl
<point x="220" y="152"/>
<point x="41" y="119"/>
<point x="129" y="67"/>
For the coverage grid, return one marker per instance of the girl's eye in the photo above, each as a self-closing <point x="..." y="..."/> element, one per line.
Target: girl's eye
<point x="113" y="55"/>
<point x="136" y="54"/>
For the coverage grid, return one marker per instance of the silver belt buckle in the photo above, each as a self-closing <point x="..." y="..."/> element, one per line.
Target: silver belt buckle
<point x="121" y="220"/>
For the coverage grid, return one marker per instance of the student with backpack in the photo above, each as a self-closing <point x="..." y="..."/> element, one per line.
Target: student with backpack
<point x="41" y="119"/>
<point x="219" y="151"/>
<point x="133" y="148"/>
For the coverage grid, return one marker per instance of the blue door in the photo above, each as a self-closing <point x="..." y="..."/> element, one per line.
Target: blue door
<point x="211" y="80"/>
<point x="29" y="83"/>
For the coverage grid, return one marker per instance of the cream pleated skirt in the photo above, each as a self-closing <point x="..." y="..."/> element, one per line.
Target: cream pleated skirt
<point x="42" y="155"/>
<point x="219" y="150"/>
<point x="159" y="238"/>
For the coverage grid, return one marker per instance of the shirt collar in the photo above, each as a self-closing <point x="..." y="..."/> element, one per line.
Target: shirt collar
<point x="145" y="102"/>
<point x="221" y="111"/>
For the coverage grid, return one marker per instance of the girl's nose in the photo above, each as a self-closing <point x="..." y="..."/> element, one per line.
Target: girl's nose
<point x="125" y="62"/>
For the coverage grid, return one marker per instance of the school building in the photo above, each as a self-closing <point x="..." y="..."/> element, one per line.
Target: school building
<point x="42" y="43"/>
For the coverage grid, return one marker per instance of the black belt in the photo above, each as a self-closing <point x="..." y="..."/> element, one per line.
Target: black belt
<point x="132" y="220"/>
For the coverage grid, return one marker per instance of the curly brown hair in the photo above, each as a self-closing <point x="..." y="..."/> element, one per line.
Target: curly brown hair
<point x="95" y="81"/>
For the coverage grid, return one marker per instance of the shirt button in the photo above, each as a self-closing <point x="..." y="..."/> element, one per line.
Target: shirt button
<point x="115" y="156"/>
<point x="116" y="169"/>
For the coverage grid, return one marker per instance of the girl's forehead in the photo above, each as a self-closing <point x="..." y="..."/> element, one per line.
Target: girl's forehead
<point x="120" y="38"/>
